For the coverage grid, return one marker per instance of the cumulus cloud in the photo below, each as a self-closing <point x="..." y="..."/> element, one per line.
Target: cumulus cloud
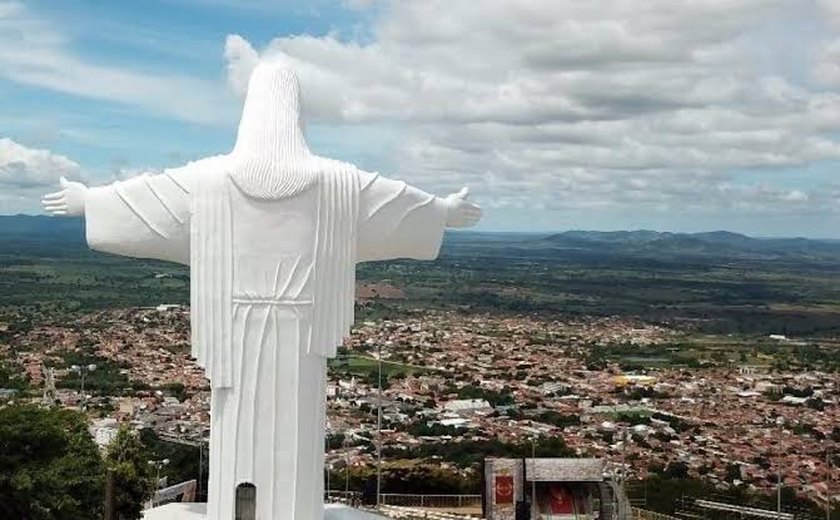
<point x="553" y="104"/>
<point x="830" y="10"/>
<point x="22" y="167"/>
<point x="827" y="64"/>
<point x="241" y="59"/>
<point x="27" y="173"/>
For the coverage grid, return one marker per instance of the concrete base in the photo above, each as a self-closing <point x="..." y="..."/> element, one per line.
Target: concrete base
<point x="189" y="511"/>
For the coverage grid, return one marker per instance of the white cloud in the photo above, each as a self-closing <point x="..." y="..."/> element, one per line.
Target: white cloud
<point x="827" y="64"/>
<point x="22" y="167"/>
<point x="241" y="59"/>
<point x="27" y="173"/>
<point x="36" y="52"/>
<point x="831" y="10"/>
<point x="557" y="104"/>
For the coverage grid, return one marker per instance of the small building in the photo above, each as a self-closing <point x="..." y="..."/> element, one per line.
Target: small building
<point x="466" y="406"/>
<point x="634" y="380"/>
<point x="560" y="489"/>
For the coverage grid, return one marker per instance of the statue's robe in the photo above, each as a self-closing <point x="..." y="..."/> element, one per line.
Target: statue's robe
<point x="272" y="297"/>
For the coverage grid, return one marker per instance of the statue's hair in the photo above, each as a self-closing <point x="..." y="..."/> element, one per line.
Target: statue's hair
<point x="271" y="159"/>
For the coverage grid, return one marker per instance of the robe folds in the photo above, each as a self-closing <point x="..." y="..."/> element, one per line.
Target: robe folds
<point x="272" y="294"/>
<point x="212" y="267"/>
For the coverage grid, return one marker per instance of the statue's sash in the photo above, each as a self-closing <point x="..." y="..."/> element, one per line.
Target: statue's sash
<point x="211" y="270"/>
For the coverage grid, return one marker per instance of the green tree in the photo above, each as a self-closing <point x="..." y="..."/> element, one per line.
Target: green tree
<point x="676" y="470"/>
<point x="133" y="479"/>
<point x="51" y="468"/>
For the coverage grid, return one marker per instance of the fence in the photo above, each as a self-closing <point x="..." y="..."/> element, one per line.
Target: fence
<point x="455" y="503"/>
<point x="720" y="509"/>
<point x="412" y="513"/>
<point x="351" y="498"/>
<point x="643" y="514"/>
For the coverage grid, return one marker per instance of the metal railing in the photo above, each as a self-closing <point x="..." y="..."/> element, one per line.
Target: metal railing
<point x="351" y="498"/>
<point x="412" y="513"/>
<point x="644" y="514"/>
<point x="444" y="502"/>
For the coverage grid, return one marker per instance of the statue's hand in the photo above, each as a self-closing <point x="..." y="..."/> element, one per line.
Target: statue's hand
<point x="68" y="202"/>
<point x="462" y="212"/>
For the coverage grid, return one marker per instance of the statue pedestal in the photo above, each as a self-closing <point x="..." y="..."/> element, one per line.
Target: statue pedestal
<point x="194" y="511"/>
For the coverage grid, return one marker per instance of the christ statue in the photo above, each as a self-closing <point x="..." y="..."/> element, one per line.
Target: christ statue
<point x="271" y="233"/>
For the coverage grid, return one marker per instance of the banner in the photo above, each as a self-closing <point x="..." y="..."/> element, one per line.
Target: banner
<point x="504" y="489"/>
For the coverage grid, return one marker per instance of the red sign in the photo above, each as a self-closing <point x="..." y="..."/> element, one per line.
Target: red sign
<point x="504" y="489"/>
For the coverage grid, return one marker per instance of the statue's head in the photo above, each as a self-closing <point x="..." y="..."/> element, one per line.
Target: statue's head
<point x="274" y="84"/>
<point x="271" y="116"/>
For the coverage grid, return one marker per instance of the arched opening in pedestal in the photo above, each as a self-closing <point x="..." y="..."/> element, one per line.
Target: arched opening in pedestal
<point x="246" y="502"/>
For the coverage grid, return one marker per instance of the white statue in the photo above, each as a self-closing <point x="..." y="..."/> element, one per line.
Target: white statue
<point x="272" y="234"/>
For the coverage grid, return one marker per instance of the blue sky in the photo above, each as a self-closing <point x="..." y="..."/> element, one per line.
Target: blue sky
<point x="559" y="114"/>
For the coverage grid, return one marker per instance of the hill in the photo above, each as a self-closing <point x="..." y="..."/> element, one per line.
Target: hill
<point x="715" y="244"/>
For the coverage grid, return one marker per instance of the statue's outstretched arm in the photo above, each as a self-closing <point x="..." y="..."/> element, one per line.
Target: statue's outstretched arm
<point x="146" y="216"/>
<point x="69" y="201"/>
<point x="397" y="220"/>
<point x="460" y="212"/>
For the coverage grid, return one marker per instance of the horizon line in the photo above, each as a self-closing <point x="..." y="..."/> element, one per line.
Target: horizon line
<point x="548" y="233"/>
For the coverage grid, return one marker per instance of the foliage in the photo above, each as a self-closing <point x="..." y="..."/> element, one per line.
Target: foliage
<point x="470" y="453"/>
<point x="12" y="378"/>
<point x="667" y="495"/>
<point x="473" y="391"/>
<point x="107" y="379"/>
<point x="424" y="428"/>
<point x="184" y="459"/>
<point x="132" y="477"/>
<point x="405" y="476"/>
<point x="177" y="390"/>
<point x="335" y="440"/>
<point x="51" y="468"/>
<point x="766" y="286"/>
<point x="558" y="419"/>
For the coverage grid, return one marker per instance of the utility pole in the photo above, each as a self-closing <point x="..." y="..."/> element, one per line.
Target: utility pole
<point x="379" y="428"/>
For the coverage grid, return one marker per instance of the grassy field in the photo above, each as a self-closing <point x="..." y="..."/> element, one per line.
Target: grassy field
<point x="367" y="366"/>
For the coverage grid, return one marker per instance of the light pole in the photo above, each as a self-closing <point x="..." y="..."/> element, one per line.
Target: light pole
<point x="329" y="469"/>
<point x="83" y="371"/>
<point x="533" y="480"/>
<point x="200" y="466"/>
<point x="624" y="456"/>
<point x="158" y="464"/>
<point x="346" y="468"/>
<point x="379" y="427"/>
<point x="780" y="421"/>
<point x="828" y="480"/>
<point x="201" y="440"/>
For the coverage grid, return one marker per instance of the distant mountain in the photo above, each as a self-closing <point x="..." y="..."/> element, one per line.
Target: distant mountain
<point x="714" y="243"/>
<point x="45" y="236"/>
<point x="34" y="226"/>
<point x="41" y="235"/>
<point x="615" y="237"/>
